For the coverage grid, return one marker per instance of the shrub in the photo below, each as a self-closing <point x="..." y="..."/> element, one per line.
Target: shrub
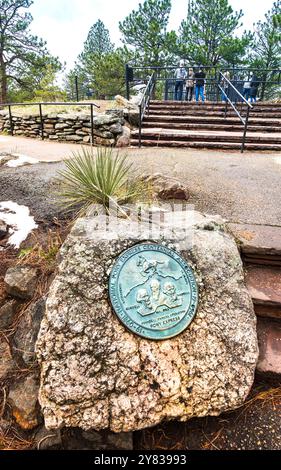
<point x="102" y="178"/>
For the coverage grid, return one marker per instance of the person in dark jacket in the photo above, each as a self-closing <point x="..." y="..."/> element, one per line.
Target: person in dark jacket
<point x="255" y="82"/>
<point x="199" y="85"/>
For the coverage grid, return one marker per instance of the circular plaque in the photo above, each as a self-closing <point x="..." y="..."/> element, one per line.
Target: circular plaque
<point x="153" y="291"/>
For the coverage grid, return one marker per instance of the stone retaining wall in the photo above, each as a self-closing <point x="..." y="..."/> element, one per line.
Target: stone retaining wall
<point x="74" y="127"/>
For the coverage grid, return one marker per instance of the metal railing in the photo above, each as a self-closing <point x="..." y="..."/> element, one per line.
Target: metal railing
<point x="40" y="106"/>
<point x="239" y="100"/>
<point x="145" y="102"/>
<point x="165" y="78"/>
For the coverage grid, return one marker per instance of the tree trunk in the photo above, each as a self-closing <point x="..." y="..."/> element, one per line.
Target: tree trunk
<point x="3" y="89"/>
<point x="263" y="87"/>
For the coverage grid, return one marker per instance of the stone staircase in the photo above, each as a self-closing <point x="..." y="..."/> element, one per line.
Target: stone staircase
<point x="261" y="252"/>
<point x="203" y="125"/>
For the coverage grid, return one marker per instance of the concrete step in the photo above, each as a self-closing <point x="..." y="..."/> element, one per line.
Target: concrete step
<point x="264" y="114"/>
<point x="211" y="136"/>
<point x="269" y="338"/>
<point x="211" y="119"/>
<point x="264" y="104"/>
<point x="205" y="145"/>
<point x="259" y="244"/>
<point x="210" y="107"/>
<point x="213" y="127"/>
<point x="264" y="285"/>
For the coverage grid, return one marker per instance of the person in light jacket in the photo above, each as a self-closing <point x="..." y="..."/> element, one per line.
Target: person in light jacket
<point x="247" y="89"/>
<point x="190" y="85"/>
<point x="181" y="75"/>
<point x="225" y="86"/>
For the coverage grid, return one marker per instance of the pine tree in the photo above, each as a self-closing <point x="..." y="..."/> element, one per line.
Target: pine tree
<point x="96" y="48"/>
<point x="266" y="53"/>
<point x="105" y="77"/>
<point x="108" y="74"/>
<point x="146" y="31"/>
<point x="20" y="51"/>
<point x="207" y="34"/>
<point x="98" y="41"/>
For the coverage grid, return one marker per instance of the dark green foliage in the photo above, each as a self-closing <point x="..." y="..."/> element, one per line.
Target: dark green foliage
<point x="266" y="51"/>
<point x="146" y="31"/>
<point x="23" y="56"/>
<point x="98" y="41"/>
<point x="207" y="34"/>
<point x="100" y="68"/>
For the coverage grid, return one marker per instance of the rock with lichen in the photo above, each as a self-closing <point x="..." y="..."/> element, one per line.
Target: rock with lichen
<point x="23" y="400"/>
<point x="95" y="374"/>
<point x="21" y="281"/>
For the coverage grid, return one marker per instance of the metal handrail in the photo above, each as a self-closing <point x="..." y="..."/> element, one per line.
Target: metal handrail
<point x="56" y="103"/>
<point x="243" y="101"/>
<point x="268" y="77"/>
<point x="145" y="102"/>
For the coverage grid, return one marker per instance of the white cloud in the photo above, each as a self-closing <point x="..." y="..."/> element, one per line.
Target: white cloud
<point x="64" y="24"/>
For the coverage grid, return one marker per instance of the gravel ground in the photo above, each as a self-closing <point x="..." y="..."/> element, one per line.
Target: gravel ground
<point x="255" y="426"/>
<point x="32" y="186"/>
<point x="242" y="188"/>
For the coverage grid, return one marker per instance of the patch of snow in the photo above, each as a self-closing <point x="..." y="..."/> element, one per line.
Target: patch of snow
<point x="140" y="87"/>
<point x="19" y="219"/>
<point x="21" y="160"/>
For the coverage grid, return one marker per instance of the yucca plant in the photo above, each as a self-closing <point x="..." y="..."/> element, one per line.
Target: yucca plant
<point x="101" y="178"/>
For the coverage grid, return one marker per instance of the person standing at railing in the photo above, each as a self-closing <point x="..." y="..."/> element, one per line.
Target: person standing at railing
<point x="181" y="75"/>
<point x="190" y="85"/>
<point x="255" y="82"/>
<point x="225" y="86"/>
<point x="199" y="85"/>
<point x="246" y="89"/>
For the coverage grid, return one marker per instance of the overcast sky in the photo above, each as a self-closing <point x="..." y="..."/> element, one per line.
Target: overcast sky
<point x="64" y="24"/>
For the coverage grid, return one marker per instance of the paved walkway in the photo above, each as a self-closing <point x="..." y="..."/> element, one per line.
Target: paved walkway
<point x="44" y="151"/>
<point x="243" y="188"/>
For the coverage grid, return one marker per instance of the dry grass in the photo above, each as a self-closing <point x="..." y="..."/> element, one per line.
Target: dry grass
<point x="41" y="254"/>
<point x="7" y="259"/>
<point x="270" y="397"/>
<point x="171" y="437"/>
<point x="10" y="439"/>
<point x="34" y="109"/>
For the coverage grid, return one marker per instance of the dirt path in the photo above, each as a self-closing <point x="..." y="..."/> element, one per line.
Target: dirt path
<point x="242" y="188"/>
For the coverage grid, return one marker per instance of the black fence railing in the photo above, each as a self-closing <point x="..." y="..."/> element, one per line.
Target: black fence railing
<point x="238" y="103"/>
<point x="145" y="102"/>
<point x="40" y="109"/>
<point x="269" y="80"/>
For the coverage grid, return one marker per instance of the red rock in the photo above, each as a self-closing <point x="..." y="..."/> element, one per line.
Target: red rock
<point x="264" y="284"/>
<point x="7" y="363"/>
<point x="23" y="399"/>
<point x="268" y="311"/>
<point x="269" y="337"/>
<point x="124" y="139"/>
<point x="7" y="313"/>
<point x="21" y="281"/>
<point x="261" y="241"/>
<point x="166" y="188"/>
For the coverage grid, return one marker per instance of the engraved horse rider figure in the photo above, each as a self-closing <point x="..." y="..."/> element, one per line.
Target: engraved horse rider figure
<point x="148" y="267"/>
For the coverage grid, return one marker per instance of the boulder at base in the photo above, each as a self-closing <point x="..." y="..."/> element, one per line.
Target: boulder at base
<point x="95" y="374"/>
